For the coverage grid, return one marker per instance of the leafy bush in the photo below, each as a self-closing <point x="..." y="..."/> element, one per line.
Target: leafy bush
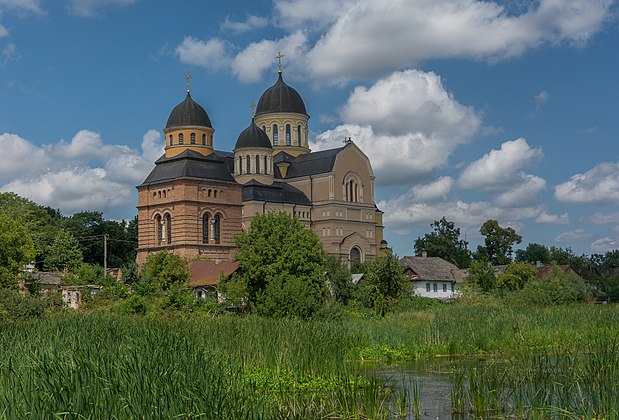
<point x="178" y="298"/>
<point x="289" y="296"/>
<point x="14" y="306"/>
<point x="557" y="287"/>
<point x="165" y="269"/>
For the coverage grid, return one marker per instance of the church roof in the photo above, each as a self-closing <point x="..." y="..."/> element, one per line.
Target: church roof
<point x="309" y="164"/>
<point x="188" y="113"/>
<point x="280" y="98"/>
<point x="190" y="164"/>
<point x="278" y="192"/>
<point x="253" y="136"/>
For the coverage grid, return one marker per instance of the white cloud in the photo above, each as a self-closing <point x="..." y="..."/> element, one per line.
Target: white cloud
<point x="577" y="235"/>
<point x="3" y="31"/>
<point x="605" y="244"/>
<point x="407" y="123"/>
<point x="599" y="185"/>
<point x="89" y="8"/>
<point x="553" y="219"/>
<point x="540" y="99"/>
<point x="499" y="169"/>
<point x="212" y="55"/>
<point x="437" y="190"/>
<point x="83" y="174"/>
<point x="603" y="218"/>
<point x="524" y="194"/>
<point x="252" y="22"/>
<point x="32" y="6"/>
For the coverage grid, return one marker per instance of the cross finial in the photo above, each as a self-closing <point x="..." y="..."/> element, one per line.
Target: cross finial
<point x="188" y="78"/>
<point x="279" y="57"/>
<point x="252" y="106"/>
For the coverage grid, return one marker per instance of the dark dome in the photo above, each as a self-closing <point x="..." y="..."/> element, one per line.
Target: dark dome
<point x="188" y="112"/>
<point x="253" y="136"/>
<point x="280" y="98"/>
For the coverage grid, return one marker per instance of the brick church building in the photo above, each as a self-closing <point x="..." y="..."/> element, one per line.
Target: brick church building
<point x="197" y="198"/>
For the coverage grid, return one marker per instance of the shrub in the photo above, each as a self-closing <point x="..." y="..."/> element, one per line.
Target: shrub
<point x="289" y="296"/>
<point x="14" y="306"/>
<point x="557" y="287"/>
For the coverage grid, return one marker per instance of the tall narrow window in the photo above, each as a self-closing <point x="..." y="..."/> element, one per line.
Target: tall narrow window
<point x="355" y="255"/>
<point x="287" y="134"/>
<point x="299" y="134"/>
<point x="168" y="225"/>
<point x="171" y="139"/>
<point x="203" y="139"/>
<point x="240" y="165"/>
<point x="217" y="229"/>
<point x="257" y="164"/>
<point x="266" y="166"/>
<point x="159" y="229"/>
<point x="248" y="162"/>
<point x="275" y="135"/>
<point x="205" y="227"/>
<point x="192" y="138"/>
<point x="181" y="139"/>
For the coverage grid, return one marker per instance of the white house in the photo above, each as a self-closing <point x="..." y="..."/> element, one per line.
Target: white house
<point x="432" y="277"/>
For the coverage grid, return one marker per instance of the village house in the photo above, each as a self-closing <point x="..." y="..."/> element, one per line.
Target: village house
<point x="432" y="277"/>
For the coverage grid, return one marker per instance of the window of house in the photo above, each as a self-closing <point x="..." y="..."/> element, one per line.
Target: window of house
<point x="355" y="255"/>
<point x="444" y="287"/>
<point x="241" y="165"/>
<point x="205" y="226"/>
<point x="266" y="166"/>
<point x="287" y="134"/>
<point x="299" y="134"/>
<point x="203" y="139"/>
<point x="453" y="288"/>
<point x="171" y="139"/>
<point x="257" y="164"/>
<point x="192" y="138"/>
<point x="217" y="229"/>
<point x="275" y="135"/>
<point x="435" y="287"/>
<point x="248" y="162"/>
<point x="181" y="139"/>
<point x="159" y="229"/>
<point x="168" y="223"/>
<point x="427" y="287"/>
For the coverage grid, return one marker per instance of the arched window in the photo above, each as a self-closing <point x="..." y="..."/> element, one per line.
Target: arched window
<point x="203" y="139"/>
<point x="299" y="134"/>
<point x="168" y="225"/>
<point x="287" y="134"/>
<point x="275" y="135"/>
<point x="158" y="229"/>
<point x="205" y="227"/>
<point x="171" y="139"/>
<point x="266" y="166"/>
<point x="240" y="165"/>
<point x="355" y="256"/>
<point x="192" y="138"/>
<point x="181" y="139"/>
<point x="248" y="164"/>
<point x="217" y="228"/>
<point x="257" y="164"/>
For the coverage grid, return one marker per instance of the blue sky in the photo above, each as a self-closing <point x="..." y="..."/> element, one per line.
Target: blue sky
<point x="467" y="109"/>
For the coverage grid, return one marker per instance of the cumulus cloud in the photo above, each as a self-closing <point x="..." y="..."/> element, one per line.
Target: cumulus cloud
<point x="252" y="22"/>
<point x="524" y="194"/>
<point x="577" y="235"/>
<point x="84" y="173"/>
<point x="407" y="123"/>
<point x="213" y="54"/>
<point x="32" y="6"/>
<point x="605" y="244"/>
<point x="553" y="219"/>
<point x="603" y="218"/>
<point x="89" y="8"/>
<point x="499" y="169"/>
<point x="599" y="185"/>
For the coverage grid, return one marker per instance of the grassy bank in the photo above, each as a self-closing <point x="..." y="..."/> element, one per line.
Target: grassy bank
<point x="114" y="366"/>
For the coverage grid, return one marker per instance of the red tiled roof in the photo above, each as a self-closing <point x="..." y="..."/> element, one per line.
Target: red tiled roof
<point x="208" y="273"/>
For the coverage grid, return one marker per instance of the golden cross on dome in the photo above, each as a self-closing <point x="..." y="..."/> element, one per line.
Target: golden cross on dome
<point x="188" y="78"/>
<point x="252" y="106"/>
<point x="279" y="57"/>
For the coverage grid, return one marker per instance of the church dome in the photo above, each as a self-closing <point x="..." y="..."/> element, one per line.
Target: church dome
<point x="253" y="136"/>
<point x="188" y="113"/>
<point x="280" y="98"/>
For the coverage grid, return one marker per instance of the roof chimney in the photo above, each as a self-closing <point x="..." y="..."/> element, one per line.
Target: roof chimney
<point x="424" y="254"/>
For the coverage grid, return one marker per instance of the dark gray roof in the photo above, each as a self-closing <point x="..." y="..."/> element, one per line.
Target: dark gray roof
<point x="280" y="98"/>
<point x="431" y="268"/>
<point x="190" y="164"/>
<point x="253" y="136"/>
<point x="278" y="192"/>
<point x="309" y="164"/>
<point x="187" y="113"/>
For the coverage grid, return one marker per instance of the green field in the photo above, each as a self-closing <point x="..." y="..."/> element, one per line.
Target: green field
<point x="553" y="362"/>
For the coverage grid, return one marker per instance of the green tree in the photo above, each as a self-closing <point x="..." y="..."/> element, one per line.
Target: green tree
<point x="278" y="249"/>
<point x="16" y="249"/>
<point x="340" y="280"/>
<point x="64" y="253"/>
<point x="517" y="275"/>
<point x="444" y="242"/>
<point x="164" y="270"/>
<point x="384" y="284"/>
<point x="499" y="242"/>
<point x="481" y="274"/>
<point x="534" y="253"/>
<point x="556" y="287"/>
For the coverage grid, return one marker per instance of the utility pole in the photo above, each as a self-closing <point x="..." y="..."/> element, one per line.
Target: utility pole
<point x="105" y="236"/>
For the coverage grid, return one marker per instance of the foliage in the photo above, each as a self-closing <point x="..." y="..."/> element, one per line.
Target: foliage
<point x="64" y="253"/>
<point x="14" y="306"/>
<point x="498" y="243"/>
<point x="165" y="269"/>
<point x="340" y="280"/>
<point x="234" y="290"/>
<point x="278" y="249"/>
<point x="16" y="249"/>
<point x="384" y="283"/>
<point x="481" y="274"/>
<point x="179" y="298"/>
<point x="517" y="275"/>
<point x="444" y="242"/>
<point x="88" y="274"/>
<point x="556" y="287"/>
<point x="534" y="253"/>
<point x="287" y="295"/>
